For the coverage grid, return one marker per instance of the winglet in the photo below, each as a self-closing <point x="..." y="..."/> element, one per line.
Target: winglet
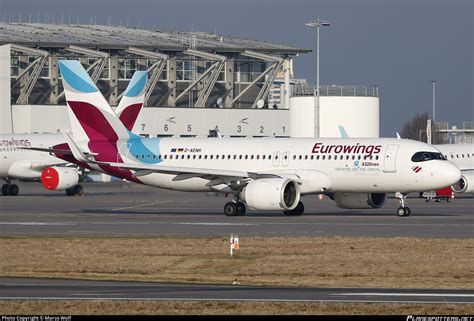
<point x="398" y="136"/>
<point x="76" y="152"/>
<point x="343" y="132"/>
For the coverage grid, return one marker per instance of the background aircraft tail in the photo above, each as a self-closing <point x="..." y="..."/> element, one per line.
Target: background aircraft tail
<point x="91" y="117"/>
<point x="132" y="100"/>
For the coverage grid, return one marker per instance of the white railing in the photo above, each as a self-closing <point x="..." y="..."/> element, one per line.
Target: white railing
<point x="334" y="90"/>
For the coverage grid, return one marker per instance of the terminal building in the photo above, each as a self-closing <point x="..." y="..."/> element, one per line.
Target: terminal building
<point x="197" y="82"/>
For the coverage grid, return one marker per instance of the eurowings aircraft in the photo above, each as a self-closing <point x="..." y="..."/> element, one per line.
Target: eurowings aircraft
<point x="19" y="161"/>
<point x="265" y="174"/>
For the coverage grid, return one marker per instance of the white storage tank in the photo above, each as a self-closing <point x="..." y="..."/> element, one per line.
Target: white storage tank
<point x="356" y="108"/>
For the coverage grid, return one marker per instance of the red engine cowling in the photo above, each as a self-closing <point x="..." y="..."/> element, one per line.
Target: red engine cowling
<point x="59" y="178"/>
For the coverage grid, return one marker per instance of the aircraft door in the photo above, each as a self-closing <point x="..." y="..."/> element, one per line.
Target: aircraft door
<point x="390" y="159"/>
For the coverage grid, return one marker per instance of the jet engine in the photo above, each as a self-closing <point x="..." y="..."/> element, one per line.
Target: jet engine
<point x="59" y="178"/>
<point x="465" y="184"/>
<point x="269" y="194"/>
<point x="359" y="200"/>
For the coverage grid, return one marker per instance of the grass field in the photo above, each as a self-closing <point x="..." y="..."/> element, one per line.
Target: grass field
<point x="293" y="261"/>
<point x="213" y="307"/>
<point x="296" y="261"/>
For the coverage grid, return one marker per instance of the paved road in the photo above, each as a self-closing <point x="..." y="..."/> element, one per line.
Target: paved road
<point x="51" y="289"/>
<point x="131" y="209"/>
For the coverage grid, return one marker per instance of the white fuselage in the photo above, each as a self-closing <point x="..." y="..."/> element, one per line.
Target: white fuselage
<point x="372" y="165"/>
<point x="19" y="163"/>
<point x="460" y="154"/>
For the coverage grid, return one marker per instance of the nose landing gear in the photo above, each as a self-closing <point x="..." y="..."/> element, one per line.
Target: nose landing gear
<point x="403" y="210"/>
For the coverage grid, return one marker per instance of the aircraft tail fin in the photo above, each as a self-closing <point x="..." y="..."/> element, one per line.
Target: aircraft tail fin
<point x="133" y="99"/>
<point x="92" y="119"/>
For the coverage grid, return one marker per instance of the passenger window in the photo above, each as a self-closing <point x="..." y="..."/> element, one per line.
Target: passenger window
<point x="294" y="157"/>
<point x="324" y="157"/>
<point x="306" y="157"/>
<point x="329" y="157"/>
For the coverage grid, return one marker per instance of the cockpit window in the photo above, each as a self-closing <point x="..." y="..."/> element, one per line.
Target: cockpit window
<point x="426" y="156"/>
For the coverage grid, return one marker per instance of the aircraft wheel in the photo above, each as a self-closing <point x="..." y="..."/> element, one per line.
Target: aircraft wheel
<point x="78" y="190"/>
<point x="69" y="191"/>
<point x="297" y="211"/>
<point x="403" y="211"/>
<point x="407" y="211"/>
<point x="5" y="189"/>
<point x="448" y="200"/>
<point x="13" y="190"/>
<point x="230" y="209"/>
<point x="241" y="209"/>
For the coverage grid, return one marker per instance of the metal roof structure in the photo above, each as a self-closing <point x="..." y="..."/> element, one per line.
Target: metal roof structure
<point x="117" y="37"/>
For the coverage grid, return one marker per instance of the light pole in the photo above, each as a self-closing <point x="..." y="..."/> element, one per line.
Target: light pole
<point x="317" y="23"/>
<point x="433" y="82"/>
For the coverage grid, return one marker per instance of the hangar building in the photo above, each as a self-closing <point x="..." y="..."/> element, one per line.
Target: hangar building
<point x="197" y="81"/>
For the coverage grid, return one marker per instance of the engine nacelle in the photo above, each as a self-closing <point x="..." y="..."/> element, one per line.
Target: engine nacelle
<point x="59" y="178"/>
<point x="268" y="194"/>
<point x="360" y="200"/>
<point x="465" y="184"/>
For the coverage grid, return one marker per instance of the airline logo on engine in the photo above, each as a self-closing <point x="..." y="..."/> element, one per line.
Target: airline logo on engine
<point x="320" y="148"/>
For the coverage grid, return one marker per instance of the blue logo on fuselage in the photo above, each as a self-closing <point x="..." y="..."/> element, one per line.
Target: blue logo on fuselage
<point x="144" y="150"/>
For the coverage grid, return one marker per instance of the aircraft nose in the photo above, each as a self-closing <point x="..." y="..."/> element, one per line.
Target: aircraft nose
<point x="451" y="174"/>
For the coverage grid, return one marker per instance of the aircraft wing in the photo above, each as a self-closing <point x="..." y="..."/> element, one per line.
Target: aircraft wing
<point x="49" y="150"/>
<point x="40" y="166"/>
<point x="143" y="169"/>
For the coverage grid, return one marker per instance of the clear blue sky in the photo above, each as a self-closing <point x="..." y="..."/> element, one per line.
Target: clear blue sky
<point x="398" y="45"/>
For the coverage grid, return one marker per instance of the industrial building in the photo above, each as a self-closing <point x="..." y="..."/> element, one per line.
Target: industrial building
<point x="197" y="82"/>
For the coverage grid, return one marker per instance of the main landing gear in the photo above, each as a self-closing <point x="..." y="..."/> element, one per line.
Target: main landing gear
<point x="235" y="208"/>
<point x="76" y="190"/>
<point x="297" y="211"/>
<point x="403" y="210"/>
<point x="9" y="189"/>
